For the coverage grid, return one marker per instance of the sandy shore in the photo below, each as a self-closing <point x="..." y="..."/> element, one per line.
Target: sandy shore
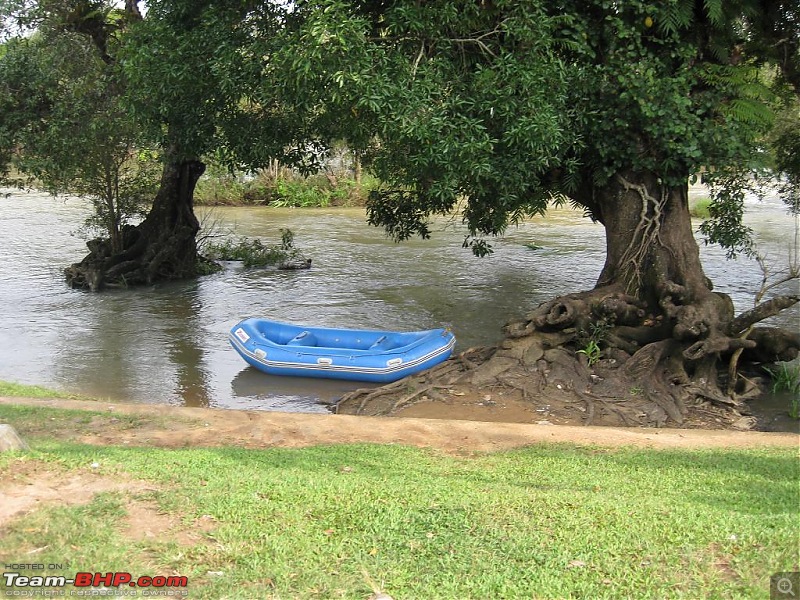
<point x="175" y="427"/>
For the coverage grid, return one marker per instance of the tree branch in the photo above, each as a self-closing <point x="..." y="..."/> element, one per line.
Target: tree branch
<point x="763" y="311"/>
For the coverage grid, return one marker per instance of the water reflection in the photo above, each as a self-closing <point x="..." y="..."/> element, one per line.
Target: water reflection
<point x="169" y="344"/>
<point x="186" y="349"/>
<point x="256" y="390"/>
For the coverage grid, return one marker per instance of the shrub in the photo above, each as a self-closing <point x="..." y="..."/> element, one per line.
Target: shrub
<point x="254" y="253"/>
<point x="787" y="378"/>
<point x="284" y="189"/>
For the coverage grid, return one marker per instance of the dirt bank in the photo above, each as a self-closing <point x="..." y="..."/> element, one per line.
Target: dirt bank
<point x="177" y="427"/>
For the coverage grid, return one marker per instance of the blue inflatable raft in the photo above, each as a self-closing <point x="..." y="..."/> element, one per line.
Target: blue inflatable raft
<point x="355" y="354"/>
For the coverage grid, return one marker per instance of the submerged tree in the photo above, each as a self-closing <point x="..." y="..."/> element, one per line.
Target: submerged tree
<point x="65" y="129"/>
<point x="498" y="108"/>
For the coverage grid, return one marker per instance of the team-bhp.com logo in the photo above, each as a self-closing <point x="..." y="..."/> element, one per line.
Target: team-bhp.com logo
<point x="92" y="584"/>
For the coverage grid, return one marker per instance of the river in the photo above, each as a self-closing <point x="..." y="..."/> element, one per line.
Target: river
<point x="168" y="344"/>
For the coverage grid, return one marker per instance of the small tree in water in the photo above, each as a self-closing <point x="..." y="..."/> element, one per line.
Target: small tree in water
<point x="176" y="74"/>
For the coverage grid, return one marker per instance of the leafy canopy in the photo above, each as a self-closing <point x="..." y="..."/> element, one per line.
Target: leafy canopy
<point x="499" y="107"/>
<point x="496" y="107"/>
<point x="64" y="126"/>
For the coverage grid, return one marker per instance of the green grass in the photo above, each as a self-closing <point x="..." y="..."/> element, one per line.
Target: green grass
<point x="44" y="422"/>
<point x="9" y="388"/>
<point x="339" y="521"/>
<point x="786" y="377"/>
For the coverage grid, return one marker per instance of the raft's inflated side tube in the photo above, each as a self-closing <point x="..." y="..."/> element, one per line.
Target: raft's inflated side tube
<point x="355" y="354"/>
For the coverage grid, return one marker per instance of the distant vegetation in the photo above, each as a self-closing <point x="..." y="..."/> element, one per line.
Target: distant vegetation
<point x="282" y="187"/>
<point x="699" y="207"/>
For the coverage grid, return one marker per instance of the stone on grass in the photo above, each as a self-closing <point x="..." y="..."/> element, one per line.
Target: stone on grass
<point x="10" y="440"/>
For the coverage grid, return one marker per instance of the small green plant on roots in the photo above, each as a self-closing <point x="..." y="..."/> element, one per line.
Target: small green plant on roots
<point x="787" y="378"/>
<point x="591" y="340"/>
<point x="592" y="352"/>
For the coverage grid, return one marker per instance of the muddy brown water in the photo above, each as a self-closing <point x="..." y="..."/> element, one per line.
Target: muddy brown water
<point x="168" y="344"/>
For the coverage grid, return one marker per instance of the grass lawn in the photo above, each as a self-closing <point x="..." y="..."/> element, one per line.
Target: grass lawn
<point x="10" y="388"/>
<point x="330" y="522"/>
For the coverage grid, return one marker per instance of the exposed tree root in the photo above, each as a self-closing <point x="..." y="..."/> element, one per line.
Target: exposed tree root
<point x="648" y="375"/>
<point x="145" y="259"/>
<point x="161" y="248"/>
<point x="764" y="310"/>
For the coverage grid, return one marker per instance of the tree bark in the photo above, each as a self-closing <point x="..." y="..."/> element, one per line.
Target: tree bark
<point x="652" y="255"/>
<point x="649" y="237"/>
<point x="132" y="10"/>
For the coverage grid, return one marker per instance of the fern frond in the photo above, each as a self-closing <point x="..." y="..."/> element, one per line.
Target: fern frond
<point x="748" y="111"/>
<point x="719" y="50"/>
<point x="558" y="199"/>
<point x="677" y="15"/>
<point x="714" y="11"/>
<point x="571" y="178"/>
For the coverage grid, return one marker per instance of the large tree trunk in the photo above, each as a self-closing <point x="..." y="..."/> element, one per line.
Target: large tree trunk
<point x="652" y="255"/>
<point x="649" y="236"/>
<point x="646" y="346"/>
<point x="160" y="248"/>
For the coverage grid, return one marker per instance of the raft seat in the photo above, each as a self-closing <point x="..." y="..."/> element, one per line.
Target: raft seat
<point x="383" y="343"/>
<point x="305" y="338"/>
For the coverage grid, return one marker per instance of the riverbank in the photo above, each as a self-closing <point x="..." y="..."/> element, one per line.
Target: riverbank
<point x="285" y="190"/>
<point x="223" y="504"/>
<point x="328" y="190"/>
<point x="103" y="423"/>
